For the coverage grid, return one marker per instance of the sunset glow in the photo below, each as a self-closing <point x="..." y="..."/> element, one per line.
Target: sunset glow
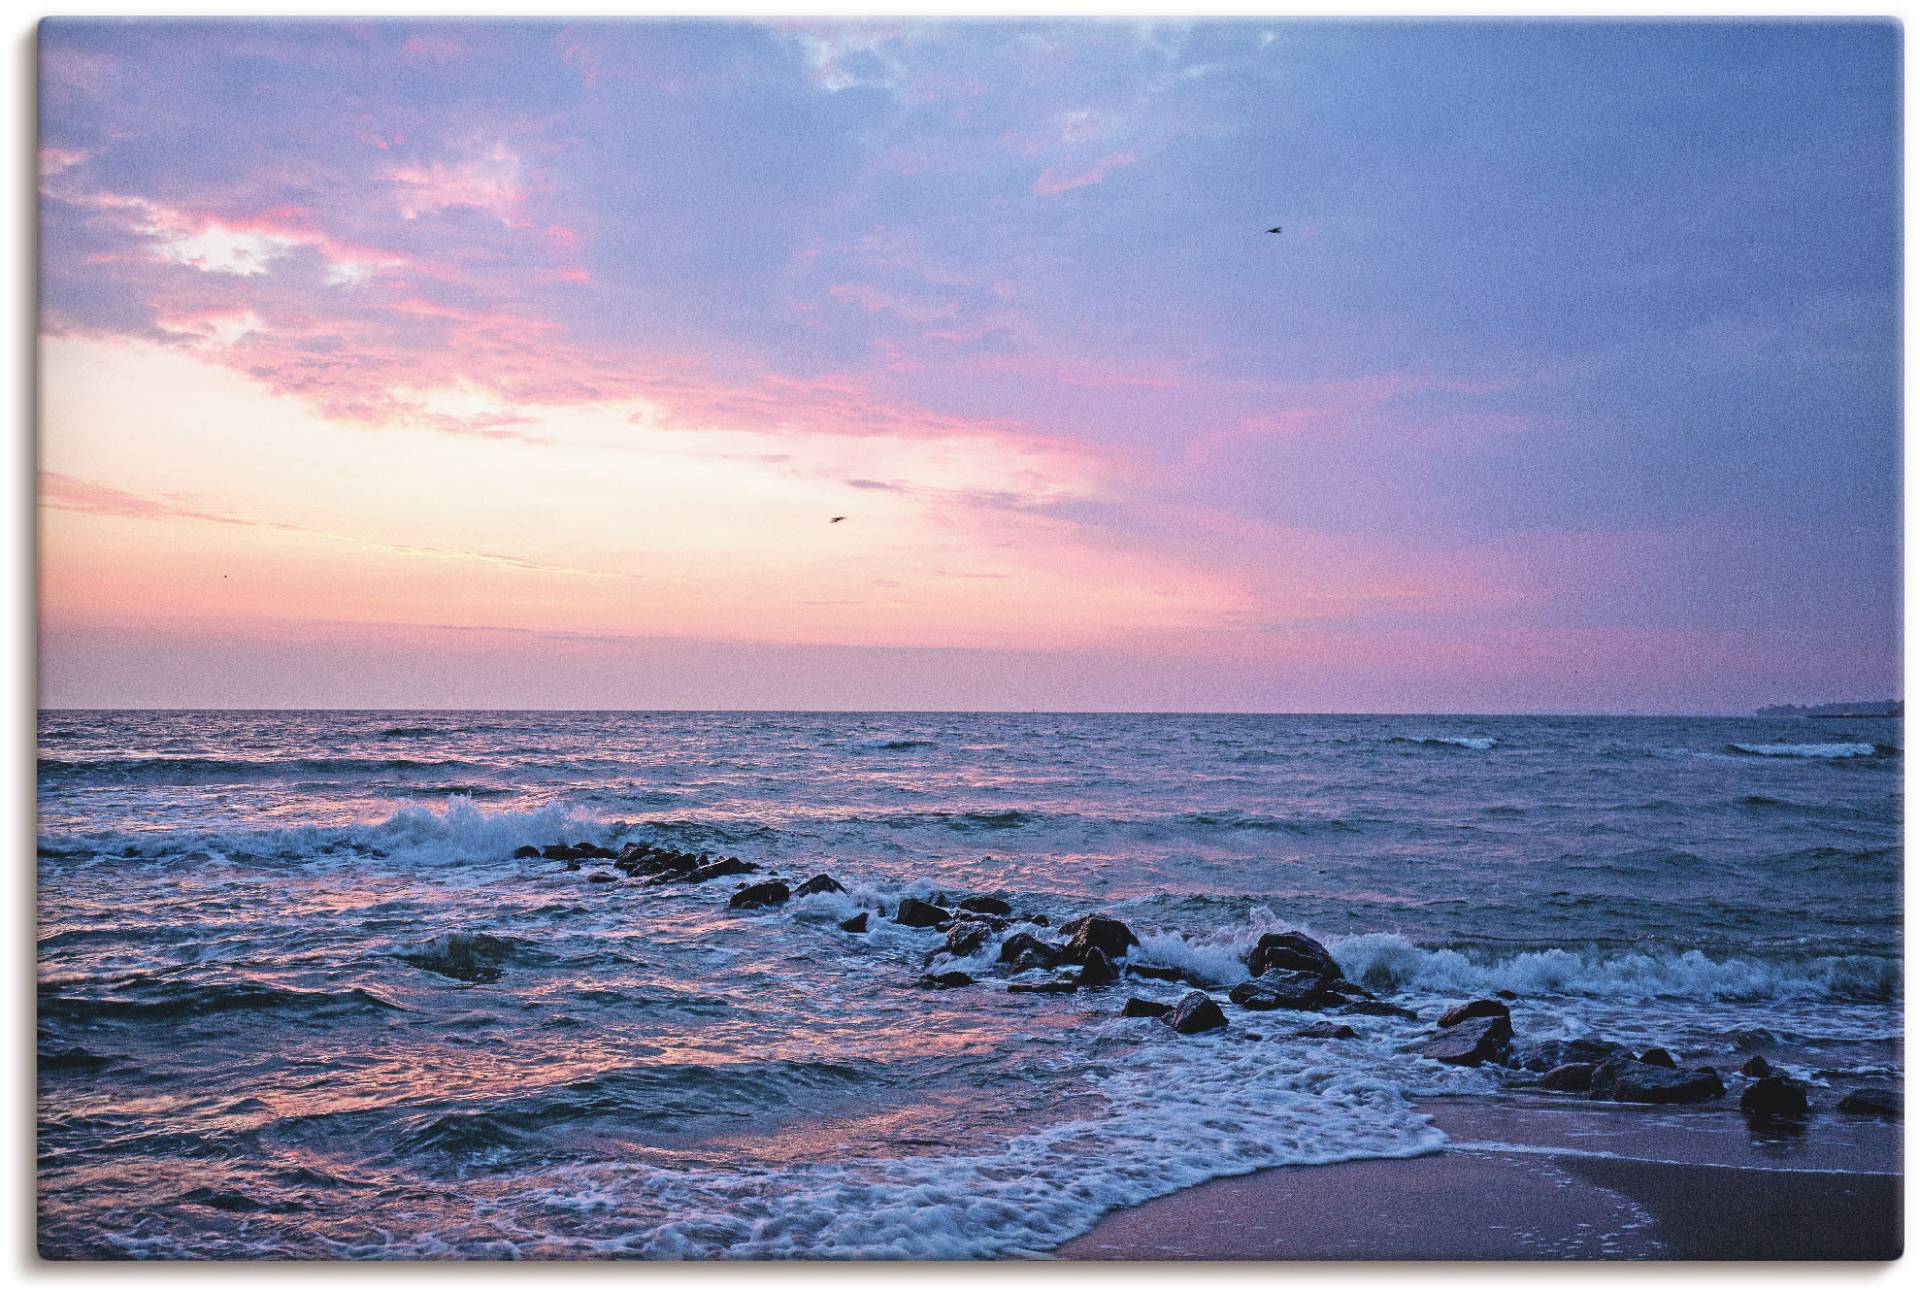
<point x="441" y="364"/>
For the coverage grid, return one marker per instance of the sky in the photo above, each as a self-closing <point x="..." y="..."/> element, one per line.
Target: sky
<point x="429" y="364"/>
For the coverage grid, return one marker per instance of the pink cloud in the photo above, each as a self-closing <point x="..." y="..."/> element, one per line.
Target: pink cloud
<point x="1055" y="180"/>
<point x="487" y="179"/>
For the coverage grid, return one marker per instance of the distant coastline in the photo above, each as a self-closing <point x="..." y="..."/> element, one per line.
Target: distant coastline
<point x="1854" y="708"/>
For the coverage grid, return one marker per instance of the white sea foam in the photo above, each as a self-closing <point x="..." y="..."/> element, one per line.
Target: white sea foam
<point x="1849" y="749"/>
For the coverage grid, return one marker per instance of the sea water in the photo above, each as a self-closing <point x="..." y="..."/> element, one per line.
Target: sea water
<point x="238" y="1058"/>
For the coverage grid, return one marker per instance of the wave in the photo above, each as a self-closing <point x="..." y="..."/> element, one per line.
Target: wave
<point x="890" y="744"/>
<point x="203" y="770"/>
<point x="1389" y="962"/>
<point x="1850" y="749"/>
<point x="1478" y="743"/>
<point x="174" y="1001"/>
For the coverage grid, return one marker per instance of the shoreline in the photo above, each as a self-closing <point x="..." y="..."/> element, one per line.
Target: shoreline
<point x="1542" y="1178"/>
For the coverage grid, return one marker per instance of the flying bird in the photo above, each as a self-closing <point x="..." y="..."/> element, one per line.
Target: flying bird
<point x="836" y="520"/>
<point x="1274" y="229"/>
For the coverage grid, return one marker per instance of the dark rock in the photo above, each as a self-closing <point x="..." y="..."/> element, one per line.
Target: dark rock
<point x="721" y="869"/>
<point x="856" y="924"/>
<point x="1279" y="988"/>
<point x="1058" y="986"/>
<point x="1159" y="972"/>
<point x="818" y="883"/>
<point x="1470" y="1043"/>
<point x="527" y="853"/>
<point x="1195" y="1012"/>
<point x="918" y="914"/>
<point x="966" y="936"/>
<point x="944" y="981"/>
<point x="1097" y="969"/>
<point x="1040" y="919"/>
<point x="1459" y="1013"/>
<point x="594" y="852"/>
<point x="1139" y="1008"/>
<point x="1092" y="932"/>
<point x="1772" y="1096"/>
<point x="1340" y="990"/>
<point x="1504" y="994"/>
<point x="1625" y="1079"/>
<point x="1874" y="1100"/>
<point x="1573" y="1077"/>
<point x="561" y="852"/>
<point x="573" y="867"/>
<point x="1378" y="1009"/>
<point x="1658" y="1057"/>
<point x="463" y="956"/>
<point x="1024" y="950"/>
<point x="759" y="896"/>
<point x="986" y="905"/>
<point x="1327" y="1031"/>
<point x="1293" y="951"/>
<point x="601" y="876"/>
<point x="1545" y="1056"/>
<point x="1756" y="1066"/>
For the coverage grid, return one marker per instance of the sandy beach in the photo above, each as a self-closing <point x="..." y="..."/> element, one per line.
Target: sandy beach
<point x="1540" y="1178"/>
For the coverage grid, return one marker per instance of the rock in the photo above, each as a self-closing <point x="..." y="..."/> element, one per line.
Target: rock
<point x="594" y="852"/>
<point x="1138" y="1008"/>
<point x="1196" y="1012"/>
<point x="527" y="853"/>
<point x="1327" y="1031"/>
<point x="721" y="869"/>
<point x="1471" y="1009"/>
<point x="1058" y="986"/>
<point x="1024" y="950"/>
<point x="856" y="924"/>
<point x="1504" y="994"/>
<point x="1280" y="988"/>
<point x="1657" y="1057"/>
<point x="463" y="956"/>
<point x="1097" y="969"/>
<point x="919" y="914"/>
<point x="561" y="852"/>
<point x="1378" y="1009"/>
<point x="1625" y="1079"/>
<point x="1342" y="991"/>
<point x="818" y="883"/>
<point x="1874" y="1100"/>
<point x="966" y="936"/>
<point x="1756" y="1066"/>
<point x="1470" y="1043"/>
<point x="944" y="981"/>
<point x="1589" y="1050"/>
<point x="759" y="896"/>
<point x="1097" y="932"/>
<point x="986" y="905"/>
<point x="1571" y="1077"/>
<point x="1294" y="951"/>
<point x="601" y="876"/>
<point x="1159" y="972"/>
<point x="1772" y="1096"/>
<point x="1040" y="919"/>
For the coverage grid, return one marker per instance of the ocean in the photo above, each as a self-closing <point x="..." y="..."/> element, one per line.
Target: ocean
<point x="249" y="1047"/>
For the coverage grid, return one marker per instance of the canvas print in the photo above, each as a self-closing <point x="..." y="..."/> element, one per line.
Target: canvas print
<point x="931" y="640"/>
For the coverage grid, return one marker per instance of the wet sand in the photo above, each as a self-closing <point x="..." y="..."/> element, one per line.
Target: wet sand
<point x="1530" y="1178"/>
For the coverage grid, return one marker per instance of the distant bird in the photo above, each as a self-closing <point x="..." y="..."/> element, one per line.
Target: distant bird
<point x="836" y="520"/>
<point x="1275" y="229"/>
